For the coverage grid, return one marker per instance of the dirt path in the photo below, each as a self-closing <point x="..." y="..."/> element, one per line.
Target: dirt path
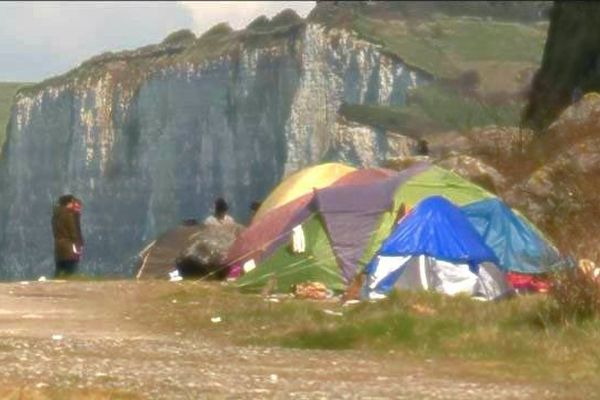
<point x="80" y="337"/>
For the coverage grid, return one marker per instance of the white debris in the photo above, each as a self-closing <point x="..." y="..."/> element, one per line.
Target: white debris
<point x="273" y="378"/>
<point x="24" y="282"/>
<point x="331" y="312"/>
<point x="42" y="279"/>
<point x="174" y="276"/>
<point x="249" y="265"/>
<point x="215" y="320"/>
<point x="57" y="337"/>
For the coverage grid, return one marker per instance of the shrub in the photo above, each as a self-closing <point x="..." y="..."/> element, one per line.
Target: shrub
<point x="286" y="17"/>
<point x="259" y="23"/>
<point x="182" y="36"/>
<point x="574" y="296"/>
<point x="219" y="30"/>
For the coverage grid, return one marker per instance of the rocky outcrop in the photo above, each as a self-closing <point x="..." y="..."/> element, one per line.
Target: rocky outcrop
<point x="561" y="194"/>
<point x="571" y="62"/>
<point x="476" y="171"/>
<point x="152" y="136"/>
<point x="368" y="146"/>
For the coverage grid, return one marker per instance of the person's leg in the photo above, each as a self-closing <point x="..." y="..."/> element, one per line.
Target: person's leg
<point x="60" y="269"/>
<point x="73" y="267"/>
<point x="65" y="268"/>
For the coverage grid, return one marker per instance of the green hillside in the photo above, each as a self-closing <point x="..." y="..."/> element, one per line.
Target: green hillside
<point x="7" y="93"/>
<point x="480" y="56"/>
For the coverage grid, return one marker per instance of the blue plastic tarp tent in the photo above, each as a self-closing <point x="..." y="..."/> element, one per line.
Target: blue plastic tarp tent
<point x="437" y="228"/>
<point x="517" y="245"/>
<point x="435" y="247"/>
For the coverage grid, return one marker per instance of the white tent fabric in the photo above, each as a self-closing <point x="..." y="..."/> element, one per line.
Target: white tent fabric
<point x="428" y="273"/>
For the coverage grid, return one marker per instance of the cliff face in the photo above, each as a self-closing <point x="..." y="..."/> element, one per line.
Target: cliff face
<point x="571" y="62"/>
<point x="145" y="146"/>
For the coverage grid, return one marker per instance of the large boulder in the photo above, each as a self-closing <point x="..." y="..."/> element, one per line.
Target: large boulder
<point x="205" y="254"/>
<point x="561" y="195"/>
<point x="475" y="170"/>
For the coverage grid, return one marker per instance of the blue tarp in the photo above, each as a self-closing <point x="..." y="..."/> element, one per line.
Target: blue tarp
<point x="516" y="244"/>
<point x="439" y="229"/>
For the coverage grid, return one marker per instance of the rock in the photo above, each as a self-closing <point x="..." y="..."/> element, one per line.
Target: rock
<point x="207" y="252"/>
<point x="400" y="163"/>
<point x="561" y="195"/>
<point x="364" y="145"/>
<point x="475" y="171"/>
<point x="495" y="141"/>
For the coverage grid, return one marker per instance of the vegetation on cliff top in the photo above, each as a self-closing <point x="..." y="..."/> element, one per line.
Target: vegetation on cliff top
<point x="449" y="42"/>
<point x="444" y="44"/>
<point x="131" y="67"/>
<point x="7" y="94"/>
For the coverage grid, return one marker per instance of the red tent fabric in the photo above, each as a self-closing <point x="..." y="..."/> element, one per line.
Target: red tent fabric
<point x="528" y="282"/>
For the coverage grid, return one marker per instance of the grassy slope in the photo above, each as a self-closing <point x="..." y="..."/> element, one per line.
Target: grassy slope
<point x="501" y="54"/>
<point x="507" y="341"/>
<point x="445" y="46"/>
<point x="7" y="93"/>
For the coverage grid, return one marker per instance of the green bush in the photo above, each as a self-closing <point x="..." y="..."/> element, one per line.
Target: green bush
<point x="573" y="297"/>
<point x="182" y="36"/>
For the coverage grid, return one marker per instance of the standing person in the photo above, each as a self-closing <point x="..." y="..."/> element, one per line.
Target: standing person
<point x="67" y="237"/>
<point x="220" y="216"/>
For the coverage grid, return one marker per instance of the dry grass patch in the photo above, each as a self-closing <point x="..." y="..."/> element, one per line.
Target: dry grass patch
<point x="27" y="393"/>
<point x="515" y="336"/>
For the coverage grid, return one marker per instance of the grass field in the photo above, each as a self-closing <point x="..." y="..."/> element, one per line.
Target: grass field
<point x="497" y="58"/>
<point x="448" y="46"/>
<point x="514" y="340"/>
<point x="434" y="108"/>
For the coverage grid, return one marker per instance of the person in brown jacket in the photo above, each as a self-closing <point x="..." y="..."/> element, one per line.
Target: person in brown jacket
<point x="67" y="235"/>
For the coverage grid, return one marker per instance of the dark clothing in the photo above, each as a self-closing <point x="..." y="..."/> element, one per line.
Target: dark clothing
<point x="65" y="268"/>
<point x="78" y="226"/>
<point x="67" y="237"/>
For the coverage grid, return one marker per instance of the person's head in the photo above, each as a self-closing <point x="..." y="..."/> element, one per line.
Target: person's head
<point x="77" y="204"/>
<point x="66" y="200"/>
<point x="221" y="207"/>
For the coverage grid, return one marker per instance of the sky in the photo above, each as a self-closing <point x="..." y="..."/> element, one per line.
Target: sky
<point x="39" y="40"/>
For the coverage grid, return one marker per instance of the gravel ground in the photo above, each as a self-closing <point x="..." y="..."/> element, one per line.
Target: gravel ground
<point x="76" y="335"/>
